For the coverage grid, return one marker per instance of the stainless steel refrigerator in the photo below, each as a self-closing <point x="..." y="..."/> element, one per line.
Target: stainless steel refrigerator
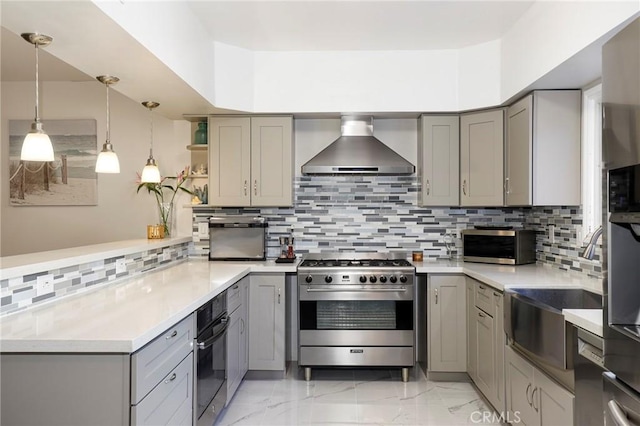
<point x="621" y="153"/>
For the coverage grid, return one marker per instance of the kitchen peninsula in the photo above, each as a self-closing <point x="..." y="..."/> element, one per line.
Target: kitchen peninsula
<point x="119" y="319"/>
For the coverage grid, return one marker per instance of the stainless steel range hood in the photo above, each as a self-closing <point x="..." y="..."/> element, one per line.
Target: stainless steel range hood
<point x="357" y="151"/>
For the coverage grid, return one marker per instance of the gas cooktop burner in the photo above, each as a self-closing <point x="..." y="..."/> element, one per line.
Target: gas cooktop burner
<point x="361" y="263"/>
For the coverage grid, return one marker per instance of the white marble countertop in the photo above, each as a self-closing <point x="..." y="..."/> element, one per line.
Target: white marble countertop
<point x="501" y="277"/>
<point x="120" y="318"/>
<point x="588" y="319"/>
<point x="25" y="264"/>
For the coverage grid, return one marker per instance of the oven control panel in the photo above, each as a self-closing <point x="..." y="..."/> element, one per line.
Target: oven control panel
<point x="376" y="277"/>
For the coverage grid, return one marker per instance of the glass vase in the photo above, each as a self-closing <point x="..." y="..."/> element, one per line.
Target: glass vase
<point x="167" y="218"/>
<point x="201" y="137"/>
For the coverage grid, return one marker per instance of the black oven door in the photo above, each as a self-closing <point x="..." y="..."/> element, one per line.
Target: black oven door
<point x="211" y="352"/>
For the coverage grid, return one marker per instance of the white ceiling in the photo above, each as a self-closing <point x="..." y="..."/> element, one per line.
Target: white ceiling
<point x="18" y="62"/>
<point x="296" y="25"/>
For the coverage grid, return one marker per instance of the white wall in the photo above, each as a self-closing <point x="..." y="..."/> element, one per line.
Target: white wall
<point x="551" y="32"/>
<point x="174" y="34"/>
<point x="121" y="213"/>
<point x="383" y="81"/>
<point x="233" y="77"/>
<point x="479" y="78"/>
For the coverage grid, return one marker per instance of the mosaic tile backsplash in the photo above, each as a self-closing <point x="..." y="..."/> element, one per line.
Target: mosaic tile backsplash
<point x="20" y="292"/>
<point x="381" y="213"/>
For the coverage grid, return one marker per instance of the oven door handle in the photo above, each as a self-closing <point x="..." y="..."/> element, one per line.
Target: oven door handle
<point x="359" y="289"/>
<point x="619" y="417"/>
<point x="211" y="340"/>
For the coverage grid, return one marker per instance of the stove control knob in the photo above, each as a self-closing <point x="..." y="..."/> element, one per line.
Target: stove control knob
<point x="309" y="279"/>
<point x="383" y="279"/>
<point x="328" y="279"/>
<point x="393" y="279"/>
<point x="363" y="279"/>
<point x="403" y="279"/>
<point x="372" y="279"/>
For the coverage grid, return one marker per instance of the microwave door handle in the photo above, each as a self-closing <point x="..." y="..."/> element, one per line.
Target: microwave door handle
<point x="211" y="340"/>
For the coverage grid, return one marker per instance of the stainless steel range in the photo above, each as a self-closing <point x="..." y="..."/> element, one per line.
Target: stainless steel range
<point x="356" y="312"/>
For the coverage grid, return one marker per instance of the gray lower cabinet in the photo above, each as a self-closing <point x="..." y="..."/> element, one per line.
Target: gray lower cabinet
<point x="266" y="322"/>
<point x="170" y="402"/>
<point x="472" y="361"/>
<point x="486" y="341"/>
<point x="153" y="386"/>
<point x="447" y="325"/>
<point x="533" y="399"/>
<point x="237" y="336"/>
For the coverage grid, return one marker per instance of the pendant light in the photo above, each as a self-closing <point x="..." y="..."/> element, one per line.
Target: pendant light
<point x="37" y="145"/>
<point x="107" y="159"/>
<point x="150" y="173"/>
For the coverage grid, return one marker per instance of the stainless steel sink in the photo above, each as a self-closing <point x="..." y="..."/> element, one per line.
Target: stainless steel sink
<point x="535" y="325"/>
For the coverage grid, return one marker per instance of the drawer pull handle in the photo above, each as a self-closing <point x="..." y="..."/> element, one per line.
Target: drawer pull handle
<point x="171" y="379"/>
<point x="436" y="291"/>
<point x="278" y="295"/>
<point x="481" y="315"/>
<point x="245" y="188"/>
<point x="235" y="287"/>
<point x="428" y="187"/>
<point x="255" y="187"/>
<point x="172" y="335"/>
<point x="464" y="187"/>
<point x="527" y="394"/>
<point x="496" y="294"/>
<point x="482" y="287"/>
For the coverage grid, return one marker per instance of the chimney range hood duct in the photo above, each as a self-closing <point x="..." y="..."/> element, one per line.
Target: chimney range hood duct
<point x="357" y="151"/>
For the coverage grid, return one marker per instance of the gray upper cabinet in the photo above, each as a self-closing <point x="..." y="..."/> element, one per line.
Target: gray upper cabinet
<point x="543" y="149"/>
<point x="481" y="158"/>
<point x="250" y="161"/>
<point x="439" y="160"/>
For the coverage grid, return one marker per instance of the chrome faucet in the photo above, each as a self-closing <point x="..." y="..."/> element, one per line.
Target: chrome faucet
<point x="590" y="250"/>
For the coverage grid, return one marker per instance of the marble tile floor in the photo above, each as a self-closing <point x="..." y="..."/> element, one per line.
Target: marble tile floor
<point x="355" y="397"/>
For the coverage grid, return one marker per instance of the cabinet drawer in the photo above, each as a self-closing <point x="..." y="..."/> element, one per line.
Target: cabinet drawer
<point x="484" y="297"/>
<point x="154" y="361"/>
<point x="169" y="403"/>
<point x="234" y="299"/>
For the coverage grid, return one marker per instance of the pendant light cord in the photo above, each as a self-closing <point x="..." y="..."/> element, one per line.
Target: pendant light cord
<point x="151" y="120"/>
<point x="108" y="124"/>
<point x="37" y="86"/>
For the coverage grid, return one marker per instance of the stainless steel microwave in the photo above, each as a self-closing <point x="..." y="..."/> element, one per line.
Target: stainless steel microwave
<point x="502" y="246"/>
<point x="237" y="238"/>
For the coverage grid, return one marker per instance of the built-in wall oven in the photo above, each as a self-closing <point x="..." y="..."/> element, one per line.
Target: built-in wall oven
<point x="211" y="364"/>
<point x="356" y="312"/>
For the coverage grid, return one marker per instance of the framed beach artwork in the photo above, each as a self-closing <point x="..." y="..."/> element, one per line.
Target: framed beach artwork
<point x="70" y="180"/>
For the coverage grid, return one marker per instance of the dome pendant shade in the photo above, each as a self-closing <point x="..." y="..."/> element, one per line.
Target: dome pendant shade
<point x="150" y="173"/>
<point x="37" y="145"/>
<point x="107" y="160"/>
